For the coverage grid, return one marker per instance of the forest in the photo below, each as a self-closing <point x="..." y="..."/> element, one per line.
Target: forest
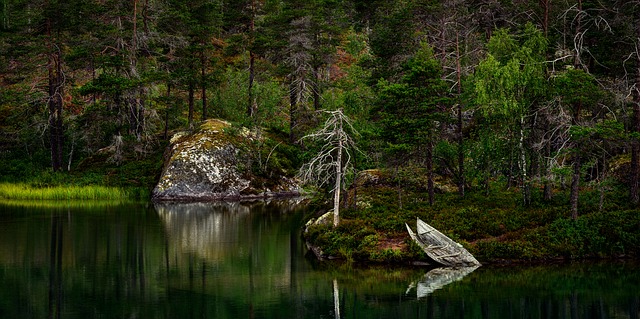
<point x="542" y="96"/>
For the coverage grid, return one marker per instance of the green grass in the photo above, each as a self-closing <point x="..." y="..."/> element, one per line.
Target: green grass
<point x="69" y="192"/>
<point x="66" y="204"/>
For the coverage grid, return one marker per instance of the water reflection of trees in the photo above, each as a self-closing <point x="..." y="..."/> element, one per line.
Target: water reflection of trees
<point x="220" y="231"/>
<point x="210" y="230"/>
<point x="128" y="262"/>
<point x="67" y="261"/>
<point x="242" y="252"/>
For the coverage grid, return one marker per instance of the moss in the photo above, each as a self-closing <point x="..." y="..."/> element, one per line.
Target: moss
<point x="214" y="125"/>
<point x="220" y="160"/>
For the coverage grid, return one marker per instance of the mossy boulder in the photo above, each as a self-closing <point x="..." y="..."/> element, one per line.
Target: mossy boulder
<point x="211" y="164"/>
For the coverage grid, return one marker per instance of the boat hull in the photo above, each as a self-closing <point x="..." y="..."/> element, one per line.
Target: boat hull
<point x="441" y="249"/>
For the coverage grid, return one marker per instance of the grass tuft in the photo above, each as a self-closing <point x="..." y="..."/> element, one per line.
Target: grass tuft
<point x="70" y="192"/>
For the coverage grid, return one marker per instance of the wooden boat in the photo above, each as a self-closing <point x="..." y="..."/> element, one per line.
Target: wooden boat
<point x="441" y="249"/>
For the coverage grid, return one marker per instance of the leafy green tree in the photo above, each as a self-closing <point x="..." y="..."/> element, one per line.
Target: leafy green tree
<point x="508" y="83"/>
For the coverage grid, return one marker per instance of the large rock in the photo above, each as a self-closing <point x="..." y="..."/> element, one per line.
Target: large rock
<point x="206" y="165"/>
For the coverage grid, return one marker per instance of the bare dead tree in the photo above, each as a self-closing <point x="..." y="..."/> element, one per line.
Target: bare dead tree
<point x="334" y="160"/>
<point x="299" y="60"/>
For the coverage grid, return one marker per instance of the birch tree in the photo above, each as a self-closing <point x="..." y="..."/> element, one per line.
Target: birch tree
<point x="507" y="84"/>
<point x="334" y="160"/>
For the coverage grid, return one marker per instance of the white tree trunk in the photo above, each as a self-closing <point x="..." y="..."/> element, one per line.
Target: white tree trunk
<point x="337" y="187"/>
<point x="336" y="299"/>
<point x="523" y="164"/>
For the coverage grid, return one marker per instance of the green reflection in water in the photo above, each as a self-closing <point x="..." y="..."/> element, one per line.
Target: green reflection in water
<point x="233" y="260"/>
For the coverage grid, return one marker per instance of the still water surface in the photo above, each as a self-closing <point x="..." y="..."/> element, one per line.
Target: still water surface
<point x="231" y="260"/>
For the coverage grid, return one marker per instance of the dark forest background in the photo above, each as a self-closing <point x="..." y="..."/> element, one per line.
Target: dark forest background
<point x="538" y="95"/>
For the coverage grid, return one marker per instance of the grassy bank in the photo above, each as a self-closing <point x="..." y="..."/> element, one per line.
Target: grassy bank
<point x="494" y="226"/>
<point x="94" y="177"/>
<point x="69" y="192"/>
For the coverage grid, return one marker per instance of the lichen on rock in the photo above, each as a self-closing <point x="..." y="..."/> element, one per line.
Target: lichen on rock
<point x="205" y="165"/>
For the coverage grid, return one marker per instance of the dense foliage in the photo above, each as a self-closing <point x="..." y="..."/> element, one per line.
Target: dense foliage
<point x="532" y="94"/>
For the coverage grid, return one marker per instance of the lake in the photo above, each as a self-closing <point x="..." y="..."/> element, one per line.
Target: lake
<point x="247" y="260"/>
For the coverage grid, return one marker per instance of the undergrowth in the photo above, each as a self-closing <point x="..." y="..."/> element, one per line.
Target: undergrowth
<point x="493" y="227"/>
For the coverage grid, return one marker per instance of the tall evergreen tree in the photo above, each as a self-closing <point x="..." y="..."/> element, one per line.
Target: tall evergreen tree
<point x="410" y="110"/>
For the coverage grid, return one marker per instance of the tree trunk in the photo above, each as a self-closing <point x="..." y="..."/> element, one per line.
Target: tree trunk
<point x="191" y="103"/>
<point x="134" y="39"/>
<point x="545" y="4"/>
<point x="315" y="87"/>
<point x="635" y="156"/>
<point x="293" y="107"/>
<point x="547" y="194"/>
<point x="635" y="144"/>
<point x="55" y="103"/>
<point x="534" y="137"/>
<point x="140" y="118"/>
<point x="430" y="188"/>
<point x="461" y="179"/>
<point x="577" y="165"/>
<point x="203" y="62"/>
<point x="5" y="15"/>
<point x="575" y="187"/>
<point x="577" y="58"/>
<point x="136" y="108"/>
<point x="601" y="180"/>
<point x="510" y="173"/>
<point x="166" y="113"/>
<point x="250" y="106"/>
<point x="526" y="192"/>
<point x="577" y="110"/>
<point x="338" y="186"/>
<point x="399" y="184"/>
<point x="145" y="17"/>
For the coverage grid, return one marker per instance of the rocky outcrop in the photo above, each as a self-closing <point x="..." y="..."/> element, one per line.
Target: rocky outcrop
<point x="207" y="165"/>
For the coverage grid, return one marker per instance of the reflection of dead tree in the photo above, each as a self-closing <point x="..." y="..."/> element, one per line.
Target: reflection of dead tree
<point x="336" y="299"/>
<point x="333" y="161"/>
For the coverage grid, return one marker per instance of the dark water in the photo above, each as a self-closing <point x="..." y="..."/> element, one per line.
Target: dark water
<point x="105" y="260"/>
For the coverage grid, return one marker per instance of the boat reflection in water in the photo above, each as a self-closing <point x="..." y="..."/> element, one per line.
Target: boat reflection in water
<point x="437" y="278"/>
